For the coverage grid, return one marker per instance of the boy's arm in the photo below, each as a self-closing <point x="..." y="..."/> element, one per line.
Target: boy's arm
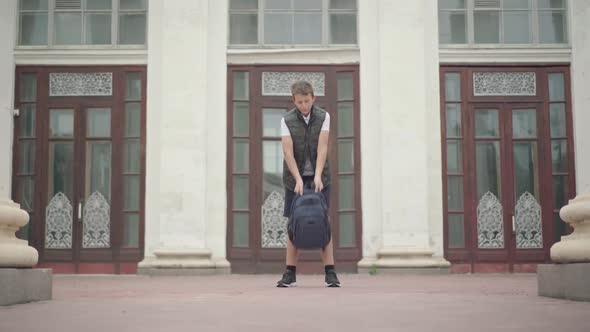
<point x="321" y="161"/>
<point x="287" y="142"/>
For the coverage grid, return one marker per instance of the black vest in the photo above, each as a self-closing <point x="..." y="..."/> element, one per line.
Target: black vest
<point x="305" y="143"/>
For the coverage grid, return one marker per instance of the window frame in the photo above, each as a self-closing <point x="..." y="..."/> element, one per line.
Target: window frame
<point x="51" y="11"/>
<point x="261" y="11"/>
<point x="534" y="26"/>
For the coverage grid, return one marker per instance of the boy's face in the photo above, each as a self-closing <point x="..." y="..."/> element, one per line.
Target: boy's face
<point x="303" y="102"/>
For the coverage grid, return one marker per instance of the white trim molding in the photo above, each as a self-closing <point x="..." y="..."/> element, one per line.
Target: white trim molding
<point x="80" y="57"/>
<point x="512" y="55"/>
<point x="294" y="56"/>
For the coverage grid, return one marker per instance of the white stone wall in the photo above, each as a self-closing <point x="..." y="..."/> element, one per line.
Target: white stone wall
<point x="7" y="38"/>
<point x="400" y="127"/>
<point x="580" y="73"/>
<point x="186" y="131"/>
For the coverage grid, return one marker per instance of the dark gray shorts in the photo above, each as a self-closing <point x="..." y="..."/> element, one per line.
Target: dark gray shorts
<point x="307" y="183"/>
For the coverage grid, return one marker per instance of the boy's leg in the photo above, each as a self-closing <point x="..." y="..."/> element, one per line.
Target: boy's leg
<point x="327" y="254"/>
<point x="292" y="254"/>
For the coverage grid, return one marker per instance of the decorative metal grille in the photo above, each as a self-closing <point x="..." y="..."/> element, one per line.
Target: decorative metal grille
<point x="279" y="83"/>
<point x="529" y="229"/>
<point x="97" y="222"/>
<point x="80" y="84"/>
<point x="274" y="225"/>
<point x="58" y="223"/>
<point x="504" y="84"/>
<point x="490" y="226"/>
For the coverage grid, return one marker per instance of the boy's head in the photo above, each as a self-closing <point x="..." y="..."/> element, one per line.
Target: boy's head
<point x="303" y="96"/>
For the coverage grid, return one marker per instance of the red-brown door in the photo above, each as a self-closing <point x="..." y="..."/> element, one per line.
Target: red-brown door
<point x="256" y="232"/>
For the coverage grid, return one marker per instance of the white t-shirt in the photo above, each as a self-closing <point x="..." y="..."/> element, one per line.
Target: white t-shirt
<point x="308" y="168"/>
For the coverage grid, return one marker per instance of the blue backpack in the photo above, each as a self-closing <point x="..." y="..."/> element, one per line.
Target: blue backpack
<point x="309" y="220"/>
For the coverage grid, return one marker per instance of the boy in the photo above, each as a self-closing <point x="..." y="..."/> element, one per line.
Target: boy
<point x="304" y="135"/>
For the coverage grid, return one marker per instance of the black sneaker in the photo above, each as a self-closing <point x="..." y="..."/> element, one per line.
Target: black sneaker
<point x="332" y="279"/>
<point x="288" y="280"/>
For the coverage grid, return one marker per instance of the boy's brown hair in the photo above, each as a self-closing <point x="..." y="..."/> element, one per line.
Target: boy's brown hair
<point x="301" y="88"/>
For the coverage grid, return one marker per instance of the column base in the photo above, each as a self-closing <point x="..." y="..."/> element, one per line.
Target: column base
<point x="168" y="261"/>
<point x="25" y="285"/>
<point x="405" y="260"/>
<point x="14" y="252"/>
<point x="564" y="281"/>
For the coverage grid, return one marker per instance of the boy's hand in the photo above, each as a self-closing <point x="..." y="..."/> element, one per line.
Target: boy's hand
<point x="299" y="187"/>
<point x="319" y="186"/>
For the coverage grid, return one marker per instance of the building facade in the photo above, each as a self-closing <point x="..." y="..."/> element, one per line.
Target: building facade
<point x="143" y="136"/>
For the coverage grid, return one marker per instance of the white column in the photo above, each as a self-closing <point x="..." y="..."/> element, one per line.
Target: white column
<point x="401" y="133"/>
<point x="580" y="73"/>
<point x="185" y="186"/>
<point x="13" y="252"/>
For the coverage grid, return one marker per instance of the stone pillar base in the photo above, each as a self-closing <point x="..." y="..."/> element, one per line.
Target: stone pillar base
<point x="25" y="285"/>
<point x="564" y="281"/>
<point x="405" y="260"/>
<point x="14" y="252"/>
<point x="183" y="262"/>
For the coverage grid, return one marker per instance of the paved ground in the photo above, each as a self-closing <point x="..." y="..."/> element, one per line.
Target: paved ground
<point x="251" y="303"/>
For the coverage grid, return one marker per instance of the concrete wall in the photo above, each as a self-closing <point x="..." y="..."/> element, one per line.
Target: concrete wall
<point x="7" y="33"/>
<point x="580" y="73"/>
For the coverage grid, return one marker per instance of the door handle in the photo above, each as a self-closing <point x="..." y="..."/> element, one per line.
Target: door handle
<point x="513" y="225"/>
<point x="80" y="211"/>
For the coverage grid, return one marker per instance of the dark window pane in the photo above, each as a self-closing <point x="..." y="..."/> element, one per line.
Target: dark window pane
<point x="345" y="86"/>
<point x="33" y="29"/>
<point x="131" y="239"/>
<point x="61" y="123"/>
<point x="342" y="28"/>
<point x="68" y="28"/>
<point x="272" y="156"/>
<point x="241" y="119"/>
<point x="243" y="4"/>
<point x="307" y="4"/>
<point x="451" y="4"/>
<point x="61" y="169"/>
<point x="132" y="29"/>
<point x="452" y="28"/>
<point x="453" y="120"/>
<point x="243" y="29"/>
<point x="99" y="4"/>
<point x="33" y="4"/>
<point x="131" y="201"/>
<point x="26" y="121"/>
<point x="454" y="157"/>
<point x="28" y="87"/>
<point x="27" y="157"/>
<point x="488" y="168"/>
<point x="133" y="4"/>
<point x="346" y="230"/>
<point x="557" y="119"/>
<point x="345" y="156"/>
<point x="241" y="85"/>
<point x="487" y="27"/>
<point x="133" y="87"/>
<point x="526" y="169"/>
<point x="241" y="156"/>
<point x="241" y="192"/>
<point x="552" y="27"/>
<point x="98" y="122"/>
<point x="26" y="190"/>
<point x="543" y="4"/>
<point x="516" y="4"/>
<point x="345" y="119"/>
<point x="517" y="27"/>
<point x="556" y="87"/>
<point x="98" y="168"/>
<point x="456" y="232"/>
<point x="524" y="123"/>
<point x="343" y="4"/>
<point x="278" y="28"/>
<point x="98" y="29"/>
<point x="277" y="4"/>
<point x="455" y="193"/>
<point x="559" y="156"/>
<point x="241" y="231"/>
<point x="486" y="124"/>
<point x="133" y="120"/>
<point x="452" y="87"/>
<point x="346" y="192"/>
<point x="132" y="156"/>
<point x="560" y="191"/>
<point x="560" y="227"/>
<point x="271" y="121"/>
